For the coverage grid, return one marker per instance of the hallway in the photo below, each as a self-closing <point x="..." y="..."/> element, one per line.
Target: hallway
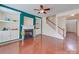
<point x="43" y="45"/>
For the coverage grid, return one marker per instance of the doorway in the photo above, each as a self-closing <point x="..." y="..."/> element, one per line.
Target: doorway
<point x="71" y="35"/>
<point x="71" y="26"/>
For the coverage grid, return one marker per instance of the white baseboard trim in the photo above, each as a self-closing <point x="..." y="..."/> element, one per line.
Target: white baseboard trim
<point x="8" y="42"/>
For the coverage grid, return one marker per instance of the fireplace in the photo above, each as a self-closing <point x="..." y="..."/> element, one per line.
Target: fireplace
<point x="28" y="33"/>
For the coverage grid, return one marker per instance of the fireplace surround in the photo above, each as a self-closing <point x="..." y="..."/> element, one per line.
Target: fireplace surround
<point x="28" y="33"/>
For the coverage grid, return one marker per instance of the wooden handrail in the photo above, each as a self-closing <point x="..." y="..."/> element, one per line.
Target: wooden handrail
<point x="55" y="25"/>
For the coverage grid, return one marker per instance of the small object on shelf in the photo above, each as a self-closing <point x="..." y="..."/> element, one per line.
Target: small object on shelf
<point x="37" y="28"/>
<point x="4" y="29"/>
<point x="37" y="23"/>
<point x="14" y="20"/>
<point x="8" y="19"/>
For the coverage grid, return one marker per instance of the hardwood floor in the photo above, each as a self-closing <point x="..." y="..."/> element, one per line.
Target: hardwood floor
<point x="43" y="45"/>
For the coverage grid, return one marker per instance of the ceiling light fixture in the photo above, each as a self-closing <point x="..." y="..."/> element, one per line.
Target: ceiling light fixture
<point x="72" y="14"/>
<point x="42" y="9"/>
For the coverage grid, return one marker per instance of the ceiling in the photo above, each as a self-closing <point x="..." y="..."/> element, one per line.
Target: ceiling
<point x="6" y="10"/>
<point x="54" y="8"/>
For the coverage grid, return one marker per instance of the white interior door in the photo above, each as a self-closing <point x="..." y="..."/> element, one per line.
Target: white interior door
<point x="71" y="25"/>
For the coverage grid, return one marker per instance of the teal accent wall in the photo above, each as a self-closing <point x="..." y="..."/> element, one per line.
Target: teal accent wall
<point x="21" y="23"/>
<point x="22" y="17"/>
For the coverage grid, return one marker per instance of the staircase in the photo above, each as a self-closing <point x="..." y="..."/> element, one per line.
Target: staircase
<point x="53" y="25"/>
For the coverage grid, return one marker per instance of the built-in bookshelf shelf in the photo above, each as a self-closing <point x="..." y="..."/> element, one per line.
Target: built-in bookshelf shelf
<point x="7" y="21"/>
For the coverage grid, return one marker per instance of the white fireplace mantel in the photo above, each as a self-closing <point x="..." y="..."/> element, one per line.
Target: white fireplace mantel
<point x="28" y="27"/>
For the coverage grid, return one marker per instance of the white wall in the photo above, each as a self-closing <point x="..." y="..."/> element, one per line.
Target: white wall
<point x="47" y="30"/>
<point x="52" y="18"/>
<point x="28" y="23"/>
<point x="1" y="15"/>
<point x="62" y="24"/>
<point x="38" y="25"/>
